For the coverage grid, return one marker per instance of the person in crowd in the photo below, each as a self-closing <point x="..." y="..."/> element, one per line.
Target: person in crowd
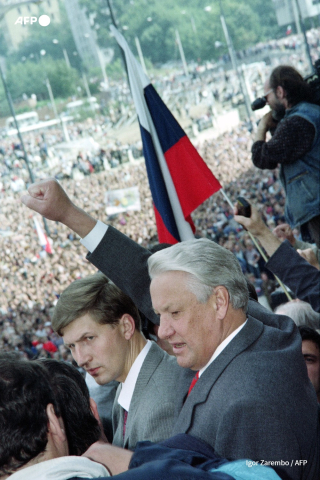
<point x="284" y="232"/>
<point x="295" y="145"/>
<point x="40" y="447"/>
<point x="311" y="353"/>
<point x="77" y="409"/>
<point x="33" y="440"/>
<point x="301" y="313"/>
<point x="294" y="271"/>
<point x="200" y="297"/>
<point x="102" y="328"/>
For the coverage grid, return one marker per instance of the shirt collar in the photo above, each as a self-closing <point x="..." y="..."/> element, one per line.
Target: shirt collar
<point x="222" y="346"/>
<point x="129" y="384"/>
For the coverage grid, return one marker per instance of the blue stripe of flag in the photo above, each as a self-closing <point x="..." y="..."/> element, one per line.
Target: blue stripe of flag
<point x="167" y="127"/>
<point x="157" y="186"/>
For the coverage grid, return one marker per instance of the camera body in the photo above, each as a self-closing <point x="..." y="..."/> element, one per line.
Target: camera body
<point x="313" y="80"/>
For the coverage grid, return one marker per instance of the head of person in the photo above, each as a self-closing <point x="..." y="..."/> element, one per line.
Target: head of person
<point x="285" y="88"/>
<point x="301" y="313"/>
<point x="75" y="406"/>
<point x="311" y="352"/>
<point x="100" y="325"/>
<point x="201" y="296"/>
<point x="30" y="418"/>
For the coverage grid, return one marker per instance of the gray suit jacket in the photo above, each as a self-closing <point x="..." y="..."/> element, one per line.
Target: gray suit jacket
<point x="255" y="400"/>
<point x="153" y="404"/>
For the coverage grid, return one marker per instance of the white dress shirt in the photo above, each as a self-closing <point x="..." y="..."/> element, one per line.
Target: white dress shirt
<point x="92" y="240"/>
<point x="128" y="386"/>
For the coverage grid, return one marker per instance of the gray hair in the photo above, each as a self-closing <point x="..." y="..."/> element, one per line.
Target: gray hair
<point x="301" y="313"/>
<point x="209" y="266"/>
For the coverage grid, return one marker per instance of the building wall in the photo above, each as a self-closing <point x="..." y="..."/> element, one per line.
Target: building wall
<point x="17" y="33"/>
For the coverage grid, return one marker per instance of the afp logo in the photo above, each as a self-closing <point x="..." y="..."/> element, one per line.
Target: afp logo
<point x="43" y="20"/>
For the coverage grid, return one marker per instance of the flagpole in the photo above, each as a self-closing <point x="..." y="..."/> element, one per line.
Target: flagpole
<point x="265" y="258"/>
<point x="114" y="23"/>
<point x="184" y="228"/>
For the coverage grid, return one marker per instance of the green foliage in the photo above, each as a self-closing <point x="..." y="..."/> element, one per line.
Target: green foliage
<point x="198" y="29"/>
<point x="42" y="39"/>
<point x="29" y="78"/>
<point x="115" y="70"/>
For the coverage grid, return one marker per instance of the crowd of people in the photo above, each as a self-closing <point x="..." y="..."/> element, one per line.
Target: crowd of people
<point x="199" y="300"/>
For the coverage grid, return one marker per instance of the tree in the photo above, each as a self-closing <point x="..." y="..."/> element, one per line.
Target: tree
<point x="154" y="23"/>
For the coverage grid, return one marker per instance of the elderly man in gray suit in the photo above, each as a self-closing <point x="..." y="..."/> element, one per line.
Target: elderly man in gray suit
<point x="102" y="327"/>
<point x="251" y="397"/>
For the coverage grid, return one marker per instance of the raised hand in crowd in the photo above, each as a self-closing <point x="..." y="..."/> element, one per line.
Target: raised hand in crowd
<point x="309" y="255"/>
<point x="48" y="198"/>
<point x="284" y="232"/>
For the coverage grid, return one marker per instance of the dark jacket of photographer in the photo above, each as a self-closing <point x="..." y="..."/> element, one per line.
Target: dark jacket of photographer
<point x="295" y="145"/>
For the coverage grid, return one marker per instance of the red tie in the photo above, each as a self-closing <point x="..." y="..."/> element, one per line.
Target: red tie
<point x="194" y="381"/>
<point x="125" y="415"/>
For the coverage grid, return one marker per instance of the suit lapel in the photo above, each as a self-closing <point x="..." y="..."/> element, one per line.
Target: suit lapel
<point x="150" y="364"/>
<point x="248" y="335"/>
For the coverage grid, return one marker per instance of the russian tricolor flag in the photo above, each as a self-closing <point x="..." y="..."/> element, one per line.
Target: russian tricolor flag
<point x="179" y="179"/>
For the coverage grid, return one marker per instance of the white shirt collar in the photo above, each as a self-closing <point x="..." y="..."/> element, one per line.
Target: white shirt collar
<point x="129" y="384"/>
<point x="221" y="347"/>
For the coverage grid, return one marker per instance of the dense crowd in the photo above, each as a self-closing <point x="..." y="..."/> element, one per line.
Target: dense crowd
<point x="31" y="279"/>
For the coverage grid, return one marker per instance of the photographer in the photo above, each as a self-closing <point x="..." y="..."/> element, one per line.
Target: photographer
<point x="295" y="145"/>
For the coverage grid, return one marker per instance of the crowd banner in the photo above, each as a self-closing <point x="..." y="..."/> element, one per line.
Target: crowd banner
<point x="43" y="239"/>
<point x="122" y="200"/>
<point x="179" y="179"/>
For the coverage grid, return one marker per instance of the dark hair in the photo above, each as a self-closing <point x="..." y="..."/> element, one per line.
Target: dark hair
<point x="97" y="296"/>
<point x="308" y="333"/>
<point x="292" y="82"/>
<point x="72" y="395"/>
<point x="25" y="394"/>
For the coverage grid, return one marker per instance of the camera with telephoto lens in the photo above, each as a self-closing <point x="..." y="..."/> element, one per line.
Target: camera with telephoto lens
<point x="313" y="80"/>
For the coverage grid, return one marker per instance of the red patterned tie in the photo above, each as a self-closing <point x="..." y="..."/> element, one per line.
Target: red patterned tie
<point x="125" y="415"/>
<point x="194" y="381"/>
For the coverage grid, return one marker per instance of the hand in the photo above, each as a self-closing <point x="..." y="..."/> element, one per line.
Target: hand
<point x="115" y="459"/>
<point x="254" y="224"/>
<point x="267" y="122"/>
<point x="48" y="198"/>
<point x="309" y="255"/>
<point x="284" y="232"/>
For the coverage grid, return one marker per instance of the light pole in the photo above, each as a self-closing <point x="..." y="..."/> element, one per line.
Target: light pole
<point x="101" y="60"/>
<point x="52" y="101"/>
<point x="65" y="53"/>
<point x="3" y="10"/>
<point x="234" y="61"/>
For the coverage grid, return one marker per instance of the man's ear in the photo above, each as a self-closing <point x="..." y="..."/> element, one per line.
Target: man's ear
<point x="280" y="92"/>
<point x="127" y="326"/>
<point x="222" y="300"/>
<point x="55" y="426"/>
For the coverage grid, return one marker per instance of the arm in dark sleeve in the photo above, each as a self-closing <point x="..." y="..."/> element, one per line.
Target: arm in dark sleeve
<point x="292" y="139"/>
<point x="125" y="263"/>
<point x="295" y="272"/>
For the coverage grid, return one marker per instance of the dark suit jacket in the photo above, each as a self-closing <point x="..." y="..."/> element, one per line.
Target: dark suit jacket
<point x="152" y="408"/>
<point x="255" y="400"/>
<point x="297" y="274"/>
